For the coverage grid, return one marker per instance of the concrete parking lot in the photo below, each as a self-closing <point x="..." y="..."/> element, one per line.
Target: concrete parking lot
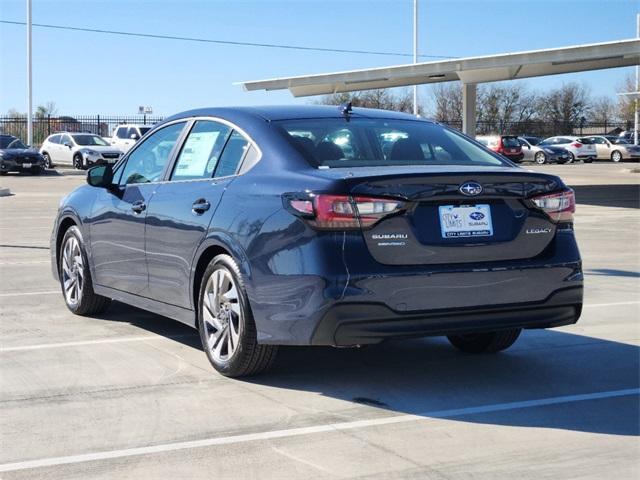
<point x="131" y="394"/>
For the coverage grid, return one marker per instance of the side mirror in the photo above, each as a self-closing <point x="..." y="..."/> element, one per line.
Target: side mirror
<point x="135" y="136"/>
<point x="100" y="176"/>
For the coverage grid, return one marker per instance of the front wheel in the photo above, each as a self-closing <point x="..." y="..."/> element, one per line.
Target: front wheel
<point x="226" y="325"/>
<point x="540" y="158"/>
<point x="75" y="277"/>
<point x="488" y="342"/>
<point x="47" y="160"/>
<point x="77" y="162"/>
<point x="616" y="156"/>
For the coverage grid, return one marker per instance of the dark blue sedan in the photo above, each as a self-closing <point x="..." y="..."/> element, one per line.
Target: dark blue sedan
<point x="309" y="225"/>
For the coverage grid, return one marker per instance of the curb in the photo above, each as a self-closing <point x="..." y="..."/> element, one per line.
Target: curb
<point x="4" y="192"/>
<point x="65" y="172"/>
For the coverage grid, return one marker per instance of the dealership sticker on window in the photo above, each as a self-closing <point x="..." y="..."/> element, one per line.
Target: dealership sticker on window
<point x="465" y="221"/>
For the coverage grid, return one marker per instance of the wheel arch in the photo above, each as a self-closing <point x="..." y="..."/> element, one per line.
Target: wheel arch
<point x="67" y="221"/>
<point x="208" y="249"/>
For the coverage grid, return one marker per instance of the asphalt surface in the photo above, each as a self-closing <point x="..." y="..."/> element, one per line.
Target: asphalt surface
<point x="131" y="394"/>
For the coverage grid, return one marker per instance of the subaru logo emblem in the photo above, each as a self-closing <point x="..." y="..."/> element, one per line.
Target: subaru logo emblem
<point x="471" y="189"/>
<point x="476" y="216"/>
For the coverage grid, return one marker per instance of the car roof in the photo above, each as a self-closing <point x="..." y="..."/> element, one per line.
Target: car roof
<point x="293" y="112"/>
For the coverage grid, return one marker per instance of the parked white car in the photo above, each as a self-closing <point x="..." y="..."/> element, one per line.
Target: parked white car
<point x="578" y="148"/>
<point x="616" y="149"/>
<point x="125" y="136"/>
<point x="82" y="150"/>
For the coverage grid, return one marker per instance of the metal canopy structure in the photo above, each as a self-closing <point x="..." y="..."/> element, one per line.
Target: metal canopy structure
<point x="470" y="71"/>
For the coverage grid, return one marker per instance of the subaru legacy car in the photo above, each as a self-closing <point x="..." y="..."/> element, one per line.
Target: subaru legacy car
<point x="310" y="225"/>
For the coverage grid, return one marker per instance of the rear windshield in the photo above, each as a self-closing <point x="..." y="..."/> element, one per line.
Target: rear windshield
<point x="510" y="142"/>
<point x="365" y="142"/>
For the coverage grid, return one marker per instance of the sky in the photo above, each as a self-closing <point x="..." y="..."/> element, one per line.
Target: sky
<point x="93" y="73"/>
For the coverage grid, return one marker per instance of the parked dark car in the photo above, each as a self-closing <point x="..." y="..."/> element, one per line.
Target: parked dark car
<point x="15" y="156"/>
<point x="301" y="225"/>
<point x="532" y="152"/>
<point x="506" y="145"/>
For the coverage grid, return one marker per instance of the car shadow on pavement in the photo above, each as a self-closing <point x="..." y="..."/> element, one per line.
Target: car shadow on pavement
<point x="420" y="376"/>
<point x="611" y="272"/>
<point x="626" y="196"/>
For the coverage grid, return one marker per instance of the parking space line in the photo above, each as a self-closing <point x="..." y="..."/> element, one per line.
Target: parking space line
<point x="43" y="346"/>
<point x="21" y="294"/>
<point x="326" y="428"/>
<point x="613" y="304"/>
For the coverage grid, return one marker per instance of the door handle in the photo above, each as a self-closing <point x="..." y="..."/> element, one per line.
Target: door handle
<point x="200" y="206"/>
<point x="138" y="206"/>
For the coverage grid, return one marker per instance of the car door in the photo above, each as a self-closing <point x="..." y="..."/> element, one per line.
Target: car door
<point x="603" y="148"/>
<point x="526" y="150"/>
<point x="117" y="223"/>
<point x="66" y="149"/>
<point x="183" y="208"/>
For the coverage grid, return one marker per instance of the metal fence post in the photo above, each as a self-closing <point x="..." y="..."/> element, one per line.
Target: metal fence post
<point x="99" y="129"/>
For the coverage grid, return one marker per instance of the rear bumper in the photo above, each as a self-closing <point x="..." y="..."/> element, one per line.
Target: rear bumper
<point x="360" y="324"/>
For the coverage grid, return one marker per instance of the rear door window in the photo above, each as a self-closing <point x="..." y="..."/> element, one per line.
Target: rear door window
<point x="54" y="139"/>
<point x="233" y="153"/>
<point x="122" y="132"/>
<point x="201" y="151"/>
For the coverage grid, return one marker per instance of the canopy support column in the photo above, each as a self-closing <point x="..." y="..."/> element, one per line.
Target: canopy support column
<point x="469" y="109"/>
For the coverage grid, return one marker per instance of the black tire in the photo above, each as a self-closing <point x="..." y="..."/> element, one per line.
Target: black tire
<point x="616" y="156"/>
<point x="89" y="302"/>
<point x="47" y="160"/>
<point x="588" y="160"/>
<point x="572" y="158"/>
<point x="78" y="163"/>
<point x="3" y="173"/>
<point x="36" y="170"/>
<point x="249" y="357"/>
<point x="540" y="158"/>
<point x="488" y="342"/>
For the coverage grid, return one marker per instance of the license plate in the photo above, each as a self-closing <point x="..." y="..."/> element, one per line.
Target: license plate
<point x="26" y="165"/>
<point x="513" y="150"/>
<point x="111" y="160"/>
<point x="465" y="221"/>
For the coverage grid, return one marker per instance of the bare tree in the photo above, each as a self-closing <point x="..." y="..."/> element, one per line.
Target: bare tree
<point x="567" y="105"/>
<point x="604" y="109"/>
<point x="626" y="106"/>
<point x="447" y="102"/>
<point x="46" y="109"/>
<point x="386" y="99"/>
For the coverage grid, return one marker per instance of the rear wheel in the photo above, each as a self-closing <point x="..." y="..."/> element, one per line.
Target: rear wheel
<point x="540" y="158"/>
<point x="488" y="342"/>
<point x="571" y="156"/>
<point x="225" y="321"/>
<point x="75" y="277"/>
<point x="616" y="156"/>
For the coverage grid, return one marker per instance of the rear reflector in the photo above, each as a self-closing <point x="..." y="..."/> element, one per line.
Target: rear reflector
<point x="342" y="212"/>
<point x="560" y="207"/>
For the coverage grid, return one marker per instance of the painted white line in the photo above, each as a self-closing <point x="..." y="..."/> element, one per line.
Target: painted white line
<point x="596" y="305"/>
<point x="43" y="346"/>
<point x="21" y="294"/>
<point x="294" y="432"/>
<point x="31" y="262"/>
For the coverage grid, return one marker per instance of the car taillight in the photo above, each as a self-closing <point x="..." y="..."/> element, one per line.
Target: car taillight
<point x="576" y="145"/>
<point x="342" y="212"/>
<point x="559" y="206"/>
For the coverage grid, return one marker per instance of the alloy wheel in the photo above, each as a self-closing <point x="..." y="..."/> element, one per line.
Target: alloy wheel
<point x="222" y="315"/>
<point x="540" y="158"/>
<point x="572" y="157"/>
<point x="72" y="271"/>
<point x="47" y="161"/>
<point x="616" y="156"/>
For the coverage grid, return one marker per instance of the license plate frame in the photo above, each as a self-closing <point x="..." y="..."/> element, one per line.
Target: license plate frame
<point x="465" y="221"/>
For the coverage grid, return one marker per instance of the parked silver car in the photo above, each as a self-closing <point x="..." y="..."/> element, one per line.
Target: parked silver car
<point x="533" y="152"/>
<point x="81" y="150"/>
<point x="616" y="149"/>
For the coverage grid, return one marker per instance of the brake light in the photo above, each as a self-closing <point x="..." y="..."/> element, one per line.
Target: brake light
<point x="560" y="207"/>
<point x="342" y="212"/>
<point x="576" y="145"/>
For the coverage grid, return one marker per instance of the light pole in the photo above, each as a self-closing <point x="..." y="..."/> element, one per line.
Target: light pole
<point x="635" y="127"/>
<point x="29" y="82"/>
<point x="415" y="53"/>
